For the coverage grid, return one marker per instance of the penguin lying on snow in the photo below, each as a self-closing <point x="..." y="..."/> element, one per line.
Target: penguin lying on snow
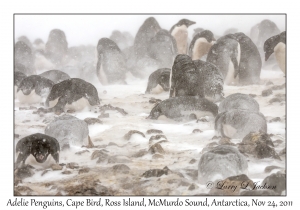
<point x="276" y="44"/>
<point x="159" y="81"/>
<point x="74" y="93"/>
<point x="111" y="66"/>
<point x="55" y="76"/>
<point x="237" y="123"/>
<point x="40" y="146"/>
<point x="34" y="89"/>
<point x="180" y="33"/>
<point x="184" y="107"/>
<point x="201" y="44"/>
<point x="239" y="101"/>
<point x="69" y="131"/>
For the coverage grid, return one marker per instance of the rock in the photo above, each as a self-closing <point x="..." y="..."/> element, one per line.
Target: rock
<point x="56" y="167"/>
<point x="216" y="137"/>
<point x="16" y="136"/>
<point x="110" y="107"/>
<point x="72" y="165"/>
<point x="282" y="152"/>
<point x="91" y="121"/>
<point x="197" y="131"/>
<point x="267" y="92"/>
<point x="192" y="187"/>
<point x="44" y="172"/>
<point x="278" y="87"/>
<point x="140" y="153"/>
<point x="83" y="170"/>
<point x="192" y="161"/>
<point x="192" y="116"/>
<point x="276" y="119"/>
<point x="16" y="193"/>
<point x="156" y="148"/>
<point x="151" y="131"/>
<point x="268" y="169"/>
<point x="225" y="141"/>
<point x="269" y="83"/>
<point x="157" y="156"/>
<point x="156" y="172"/>
<point x="25" y="189"/>
<point x="221" y="162"/>
<point x="192" y="173"/>
<point x="277" y="142"/>
<point x="81" y="152"/>
<point x="89" y="188"/>
<point x="66" y="172"/>
<point x="252" y="95"/>
<point x="130" y="133"/>
<point x="202" y="119"/>
<point x="276" y="182"/>
<point x="121" y="168"/>
<point x="163" y="192"/>
<point x="119" y="159"/>
<point x="258" y="144"/>
<point x="258" y="192"/>
<point x="24" y="171"/>
<point x="154" y="101"/>
<point x="104" y="115"/>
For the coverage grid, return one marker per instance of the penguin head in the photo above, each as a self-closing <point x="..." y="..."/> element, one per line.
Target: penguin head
<point x="183" y="63"/>
<point x="185" y="22"/>
<point x="152" y="23"/>
<point x="208" y="35"/>
<point x="26" y="85"/>
<point x="164" y="81"/>
<point x="105" y="44"/>
<point x="40" y="149"/>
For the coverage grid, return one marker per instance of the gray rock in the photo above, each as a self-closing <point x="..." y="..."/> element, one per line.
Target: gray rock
<point x="277" y="180"/>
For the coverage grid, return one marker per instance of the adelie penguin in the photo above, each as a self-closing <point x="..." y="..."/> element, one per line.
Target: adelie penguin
<point x="180" y="33"/>
<point x="225" y="54"/>
<point x="24" y="58"/>
<point x="34" y="89"/>
<point x="111" y="67"/>
<point x="201" y="44"/>
<point x="74" y="94"/>
<point x="40" y="146"/>
<point x="163" y="49"/>
<point x="159" y="81"/>
<point x="276" y="44"/>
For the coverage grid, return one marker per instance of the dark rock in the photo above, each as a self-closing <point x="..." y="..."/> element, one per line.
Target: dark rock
<point x="88" y="189"/>
<point x="216" y="137"/>
<point x="56" y="167"/>
<point x="268" y="169"/>
<point x="282" y="152"/>
<point x="110" y="107"/>
<point x="44" y="172"/>
<point x="24" y="171"/>
<point x="156" y="172"/>
<point x="277" y="181"/>
<point x="156" y="148"/>
<point x="276" y="119"/>
<point x="225" y="141"/>
<point x="72" y="165"/>
<point x="156" y="137"/>
<point x="192" y="187"/>
<point x="104" y="115"/>
<point x="192" y="117"/>
<point x="83" y="170"/>
<point x="154" y="101"/>
<point x="202" y="119"/>
<point x="100" y="154"/>
<point x="212" y="144"/>
<point x="121" y="168"/>
<point x="277" y="142"/>
<point x="192" y="173"/>
<point x="278" y="87"/>
<point x="140" y="153"/>
<point x="266" y="93"/>
<point x="151" y="131"/>
<point x="192" y="161"/>
<point x="197" y="131"/>
<point x="118" y="159"/>
<point x="91" y="121"/>
<point x="258" y="192"/>
<point x="66" y="172"/>
<point x="130" y="133"/>
<point x="269" y="83"/>
<point x="25" y="189"/>
<point x="112" y="144"/>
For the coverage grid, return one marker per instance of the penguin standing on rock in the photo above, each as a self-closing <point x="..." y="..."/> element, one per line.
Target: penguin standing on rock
<point x="180" y="33"/>
<point x="276" y="44"/>
<point x="111" y="67"/>
<point x="201" y="44"/>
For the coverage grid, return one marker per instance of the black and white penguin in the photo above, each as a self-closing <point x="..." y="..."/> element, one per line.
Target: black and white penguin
<point x="34" y="89"/>
<point x="24" y="58"/>
<point x="239" y="101"/>
<point x="74" y="94"/>
<point x="56" y="47"/>
<point x="55" y="76"/>
<point x="184" y="78"/>
<point x="159" y="81"/>
<point x="250" y="61"/>
<point x="69" y="131"/>
<point x="201" y="44"/>
<point x="183" y="107"/>
<point x="237" y="123"/>
<point x="163" y="48"/>
<point x="180" y="33"/>
<point x="144" y="35"/>
<point x="111" y="66"/>
<point x="212" y="80"/>
<point x="225" y="54"/>
<point x="26" y="41"/>
<point x="276" y="44"/>
<point x="40" y="146"/>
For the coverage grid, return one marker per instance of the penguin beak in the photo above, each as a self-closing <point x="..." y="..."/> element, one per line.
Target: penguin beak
<point x="192" y="23"/>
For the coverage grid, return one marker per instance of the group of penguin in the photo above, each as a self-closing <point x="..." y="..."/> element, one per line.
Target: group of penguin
<point x="194" y="85"/>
